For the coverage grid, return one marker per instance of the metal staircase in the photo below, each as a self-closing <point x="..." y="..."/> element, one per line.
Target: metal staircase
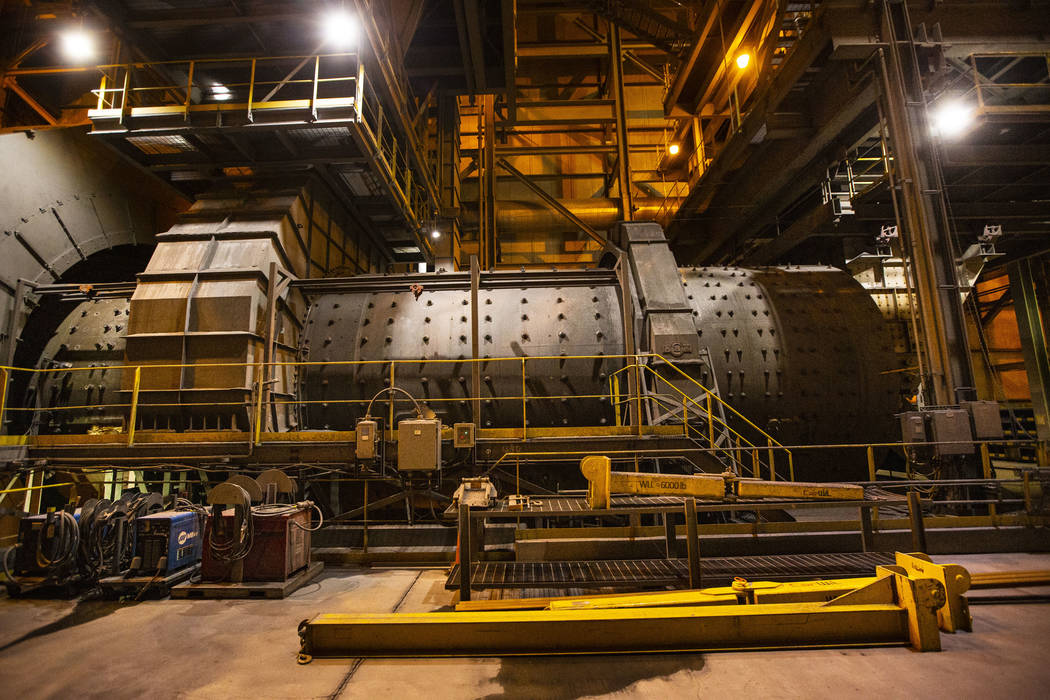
<point x="643" y="21"/>
<point x="704" y="418"/>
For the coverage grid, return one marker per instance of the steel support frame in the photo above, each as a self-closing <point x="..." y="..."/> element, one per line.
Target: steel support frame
<point x="623" y="161"/>
<point x="927" y="228"/>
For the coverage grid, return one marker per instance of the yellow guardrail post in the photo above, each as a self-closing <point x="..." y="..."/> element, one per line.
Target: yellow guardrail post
<point x="685" y="417"/>
<point x="3" y="400"/>
<point x="313" y="97"/>
<point x="260" y="385"/>
<point x="616" y="398"/>
<point x="772" y="460"/>
<point x="871" y="463"/>
<point x="133" y="418"/>
<point x="390" y="424"/>
<point x="524" y="417"/>
<point x="189" y="92"/>
<point x="710" y="422"/>
<point x="251" y="92"/>
<point x="791" y="465"/>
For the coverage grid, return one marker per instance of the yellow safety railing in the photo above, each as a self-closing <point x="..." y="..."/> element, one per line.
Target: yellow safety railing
<point x="700" y="419"/>
<point x="996" y="96"/>
<point x="716" y="426"/>
<point x="771" y="442"/>
<point x="313" y="88"/>
<point x="257" y="401"/>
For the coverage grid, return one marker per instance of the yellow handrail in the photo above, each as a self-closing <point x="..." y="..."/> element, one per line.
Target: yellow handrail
<point x="770" y="438"/>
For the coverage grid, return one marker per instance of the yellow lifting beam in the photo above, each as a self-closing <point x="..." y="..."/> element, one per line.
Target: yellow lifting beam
<point x="893" y="608"/>
<point x="603" y="482"/>
<point x="954" y="615"/>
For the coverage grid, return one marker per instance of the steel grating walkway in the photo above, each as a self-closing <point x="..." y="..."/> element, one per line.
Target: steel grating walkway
<point x="634" y="573"/>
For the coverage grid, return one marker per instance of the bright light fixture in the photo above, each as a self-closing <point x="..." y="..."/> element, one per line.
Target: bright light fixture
<point x="78" y="45"/>
<point x="743" y="60"/>
<point x="220" y="92"/>
<point x="435" y="234"/>
<point x="673" y="149"/>
<point x="950" y="119"/>
<point x="340" y="29"/>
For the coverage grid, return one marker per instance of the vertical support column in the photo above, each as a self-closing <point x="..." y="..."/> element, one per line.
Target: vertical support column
<point x="623" y="160"/>
<point x="464" y="552"/>
<point x="487" y="181"/>
<point x="475" y="343"/>
<point x="927" y="228"/>
<point x="633" y="375"/>
<point x="918" y="525"/>
<point x="267" y="374"/>
<point x="1025" y="275"/>
<point x="692" y="543"/>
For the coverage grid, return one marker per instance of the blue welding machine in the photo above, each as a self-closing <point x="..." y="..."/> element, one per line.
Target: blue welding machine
<point x="167" y="541"/>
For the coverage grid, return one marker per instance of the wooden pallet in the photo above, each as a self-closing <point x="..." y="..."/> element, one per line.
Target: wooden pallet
<point x="115" y="586"/>
<point x="249" y="589"/>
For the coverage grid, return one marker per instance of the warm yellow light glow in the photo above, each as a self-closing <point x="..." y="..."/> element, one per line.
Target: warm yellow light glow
<point x="742" y="60"/>
<point x="673" y="149"/>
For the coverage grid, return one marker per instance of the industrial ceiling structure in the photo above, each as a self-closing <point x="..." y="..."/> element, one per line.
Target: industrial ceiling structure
<point x="615" y="271"/>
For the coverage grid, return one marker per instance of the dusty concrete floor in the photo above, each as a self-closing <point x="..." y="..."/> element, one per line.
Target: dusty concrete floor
<point x="239" y="649"/>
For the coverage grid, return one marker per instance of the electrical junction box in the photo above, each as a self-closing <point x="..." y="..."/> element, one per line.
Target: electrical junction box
<point x="174" y="536"/>
<point x="365" y="444"/>
<point x="987" y="422"/>
<point x="951" y="425"/>
<point x="913" y="427"/>
<point x="419" y="445"/>
<point x="463" y="435"/>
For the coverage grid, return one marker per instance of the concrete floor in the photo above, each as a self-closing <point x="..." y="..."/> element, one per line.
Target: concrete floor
<point x="219" y="649"/>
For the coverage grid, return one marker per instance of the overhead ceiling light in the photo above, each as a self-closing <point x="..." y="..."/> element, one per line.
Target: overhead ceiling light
<point x="951" y="119"/>
<point x="405" y="249"/>
<point x="340" y="29"/>
<point x="220" y="92"/>
<point x="743" y="60"/>
<point x="435" y="234"/>
<point x="78" y="45"/>
<point x="673" y="149"/>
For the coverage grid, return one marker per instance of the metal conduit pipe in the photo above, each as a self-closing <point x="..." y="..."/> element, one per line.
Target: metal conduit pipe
<point x="525" y="217"/>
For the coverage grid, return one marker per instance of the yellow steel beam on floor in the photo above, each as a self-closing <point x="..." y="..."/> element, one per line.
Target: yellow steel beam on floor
<point x="602" y="631"/>
<point x="892" y="608"/>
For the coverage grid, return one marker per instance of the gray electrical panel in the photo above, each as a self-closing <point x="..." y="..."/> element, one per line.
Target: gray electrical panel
<point x="987" y="423"/>
<point x="365" y="444"/>
<point x="913" y="427"/>
<point x="419" y="445"/>
<point x="951" y="425"/>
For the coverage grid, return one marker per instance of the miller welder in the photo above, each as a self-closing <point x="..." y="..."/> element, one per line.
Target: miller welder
<point x="166" y="542"/>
